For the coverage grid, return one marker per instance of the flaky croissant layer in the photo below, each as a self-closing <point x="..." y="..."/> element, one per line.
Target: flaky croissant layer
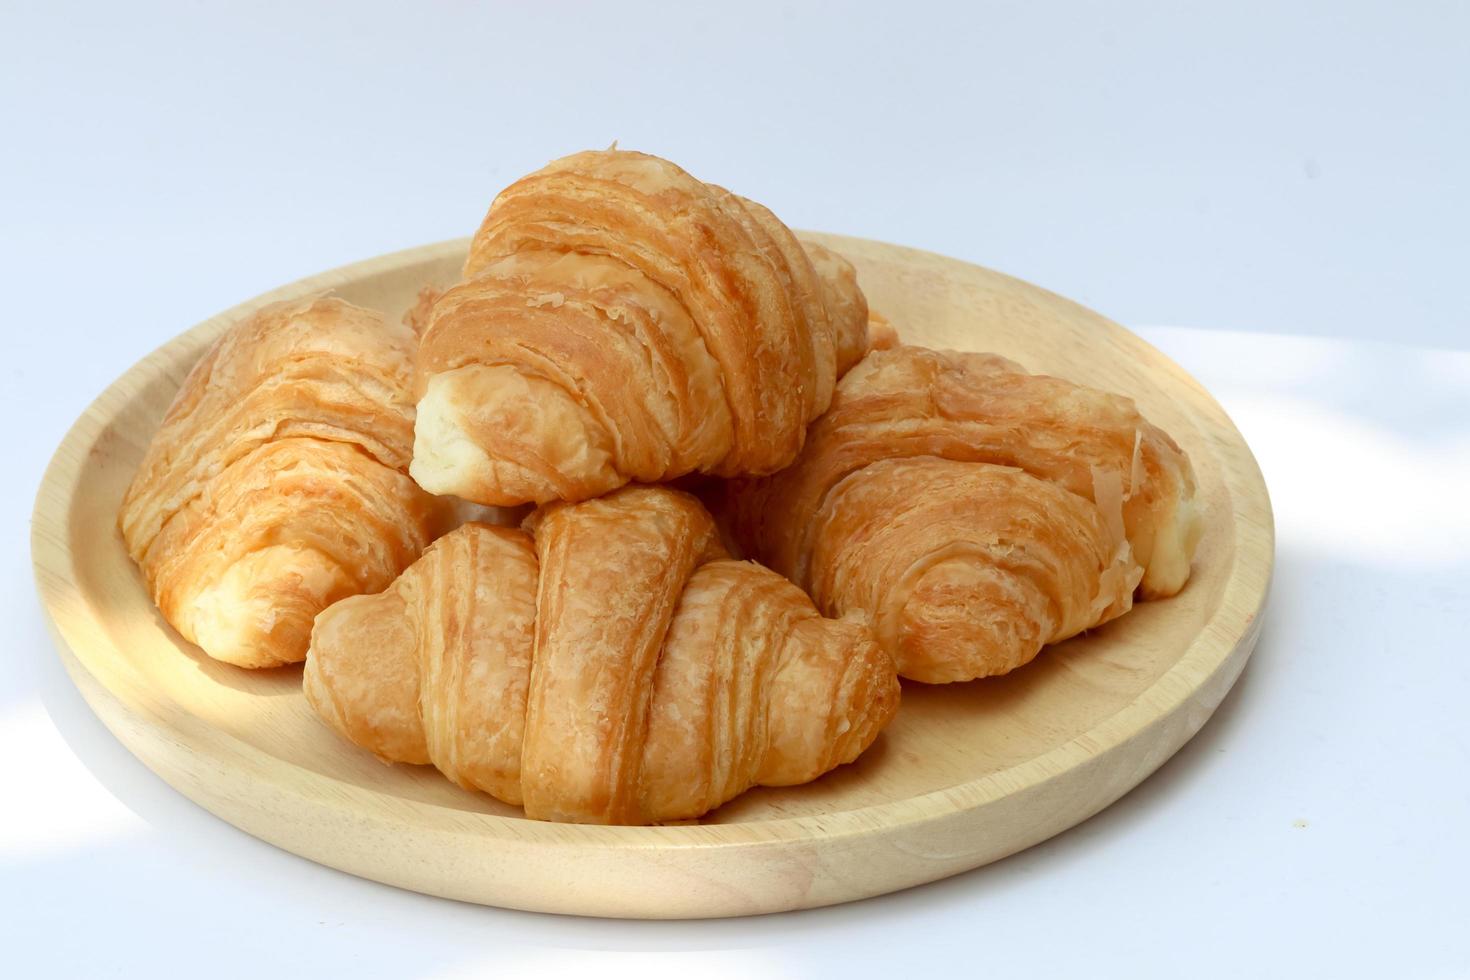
<point x="967" y="569"/>
<point x="277" y="482"/>
<point x="606" y="665"/>
<point x="621" y="321"/>
<point x="976" y="511"/>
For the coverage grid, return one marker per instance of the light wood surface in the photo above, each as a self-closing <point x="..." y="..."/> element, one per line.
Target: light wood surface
<point x="965" y="775"/>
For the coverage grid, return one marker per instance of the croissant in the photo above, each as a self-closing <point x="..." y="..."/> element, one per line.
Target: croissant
<point x="277" y="483"/>
<point x="605" y="665"/>
<point x="621" y="321"/>
<point x="975" y="511"/>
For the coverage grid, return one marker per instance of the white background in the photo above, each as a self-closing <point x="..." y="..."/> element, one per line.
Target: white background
<point x="1285" y="182"/>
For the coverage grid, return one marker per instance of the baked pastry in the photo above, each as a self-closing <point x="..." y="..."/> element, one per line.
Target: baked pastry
<point x="608" y="664"/>
<point x="975" y="511"/>
<point x="277" y="483"/>
<point x="968" y="570"/>
<point x="622" y="321"/>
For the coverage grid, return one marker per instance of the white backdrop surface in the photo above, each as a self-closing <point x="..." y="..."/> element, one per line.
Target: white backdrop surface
<point x="1288" y="181"/>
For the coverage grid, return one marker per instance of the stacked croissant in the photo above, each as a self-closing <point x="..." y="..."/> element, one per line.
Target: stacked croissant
<point x="932" y="514"/>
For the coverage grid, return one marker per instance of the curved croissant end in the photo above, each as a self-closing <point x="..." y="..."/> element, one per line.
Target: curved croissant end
<point x="275" y="485"/>
<point x="621" y="321"/>
<point x="606" y="666"/>
<point x="852" y="321"/>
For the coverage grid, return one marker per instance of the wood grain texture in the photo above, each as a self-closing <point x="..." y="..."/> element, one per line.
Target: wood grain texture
<point x="967" y="773"/>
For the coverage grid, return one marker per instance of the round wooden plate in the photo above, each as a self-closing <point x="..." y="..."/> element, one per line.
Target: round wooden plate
<point x="966" y="774"/>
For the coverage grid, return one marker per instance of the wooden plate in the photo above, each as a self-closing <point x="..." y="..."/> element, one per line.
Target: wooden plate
<point x="966" y="774"/>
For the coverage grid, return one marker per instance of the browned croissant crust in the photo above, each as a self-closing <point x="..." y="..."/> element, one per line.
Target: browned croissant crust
<point x="622" y="321"/>
<point x="277" y="482"/>
<point x="967" y="570"/>
<point x="974" y="510"/>
<point x="606" y="665"/>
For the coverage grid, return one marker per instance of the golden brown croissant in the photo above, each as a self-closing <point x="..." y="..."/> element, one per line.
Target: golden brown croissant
<point x="622" y="321"/>
<point x="607" y="665"/>
<point x="277" y="483"/>
<point x="974" y="510"/>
